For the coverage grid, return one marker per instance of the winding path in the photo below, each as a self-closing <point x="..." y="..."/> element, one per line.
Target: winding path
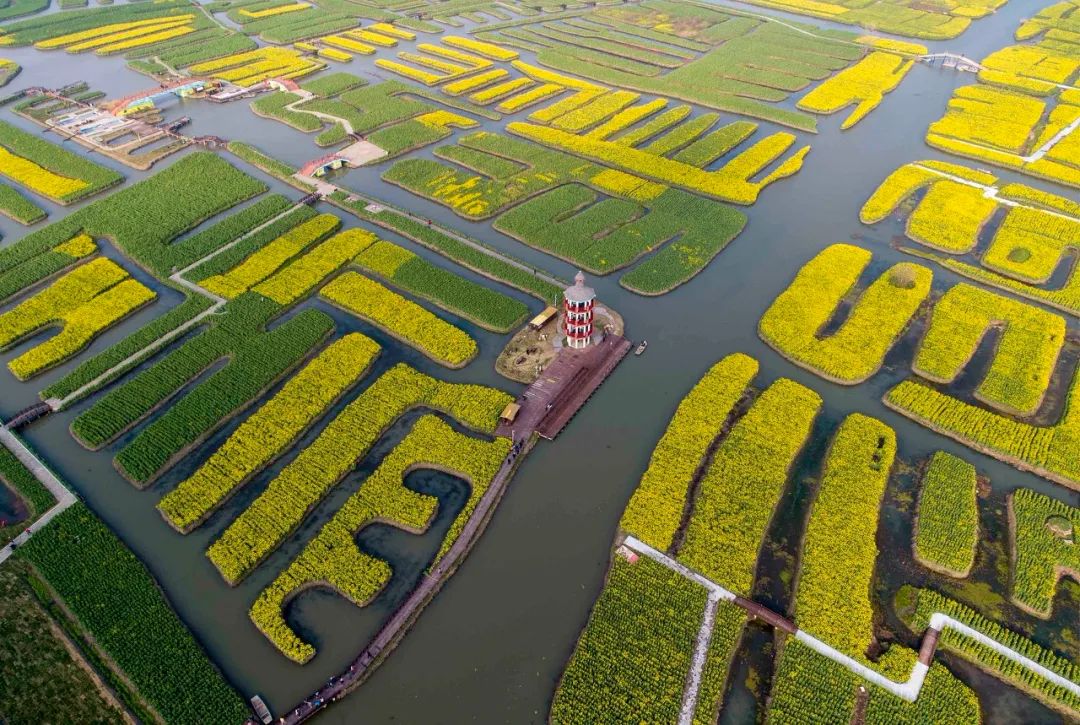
<point x="907" y="691"/>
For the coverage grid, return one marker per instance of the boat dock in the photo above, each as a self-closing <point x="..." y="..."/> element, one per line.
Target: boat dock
<point x="572" y="377"/>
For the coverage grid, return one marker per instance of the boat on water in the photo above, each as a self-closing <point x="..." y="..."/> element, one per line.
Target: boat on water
<point x="261" y="710"/>
<point x="641" y="348"/>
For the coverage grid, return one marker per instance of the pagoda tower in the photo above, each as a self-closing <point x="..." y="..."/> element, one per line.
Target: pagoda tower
<point x="578" y="313"/>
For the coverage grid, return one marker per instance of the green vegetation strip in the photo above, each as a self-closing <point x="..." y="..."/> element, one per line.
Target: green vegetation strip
<point x="255" y="359"/>
<point x="435" y="239"/>
<point x="112" y="595"/>
<point x="43" y="681"/>
<point x="629" y="663"/>
<point x="143" y="219"/>
<point x="414" y="274"/>
<point x="112" y="357"/>
<point x="18" y="207"/>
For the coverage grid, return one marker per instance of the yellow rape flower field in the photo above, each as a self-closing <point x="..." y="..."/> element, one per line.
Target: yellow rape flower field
<point x="37" y="178"/>
<point x="402" y="318"/>
<point x="83" y="303"/>
<point x="111" y="33"/>
<point x="863" y="84"/>
<point x="271" y="12"/>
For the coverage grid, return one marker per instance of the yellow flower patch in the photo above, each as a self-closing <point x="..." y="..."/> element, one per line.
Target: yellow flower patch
<point x="729" y="183"/>
<point x="69" y="38"/>
<point x="340" y="41"/>
<point x="393" y="31"/>
<point x="333" y="557"/>
<point x="864" y="84"/>
<point x="503" y="89"/>
<point x="271" y="12"/>
<point x="269" y="431"/>
<point x="529" y="97"/>
<point x="1023" y="361"/>
<point x="335" y="54"/>
<point x="402" y="318"/>
<point x="78" y="247"/>
<point x="302" y="276"/>
<point x="37" y="178"/>
<point x="627" y="186"/>
<point x="144" y="40"/>
<point x="655" y="509"/>
<point x="479" y="47"/>
<point x="270" y="258"/>
<point x="857" y="349"/>
<point x="414" y="74"/>
<point x="84" y="302"/>
<point x="481" y="79"/>
<point x="285" y="503"/>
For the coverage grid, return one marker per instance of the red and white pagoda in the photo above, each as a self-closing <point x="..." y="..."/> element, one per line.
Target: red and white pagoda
<point x="578" y="313"/>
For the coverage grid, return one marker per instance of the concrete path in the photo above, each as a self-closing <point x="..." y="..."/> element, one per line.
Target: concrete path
<point x="908" y="690"/>
<point x="1035" y="155"/>
<point x="64" y="497"/>
<point x="1042" y="150"/>
<point x="307" y="96"/>
<point x="58" y="404"/>
<point x="697" y="666"/>
<point x="991" y="192"/>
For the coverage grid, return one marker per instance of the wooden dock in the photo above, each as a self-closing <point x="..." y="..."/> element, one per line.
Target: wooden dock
<point x="562" y="389"/>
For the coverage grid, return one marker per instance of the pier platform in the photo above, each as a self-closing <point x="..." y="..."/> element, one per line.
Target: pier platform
<point x="548" y="404"/>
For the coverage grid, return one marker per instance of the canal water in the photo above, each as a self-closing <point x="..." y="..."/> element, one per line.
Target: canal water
<point x="491" y="646"/>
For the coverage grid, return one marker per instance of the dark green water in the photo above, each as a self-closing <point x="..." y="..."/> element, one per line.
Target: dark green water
<point x="491" y="646"/>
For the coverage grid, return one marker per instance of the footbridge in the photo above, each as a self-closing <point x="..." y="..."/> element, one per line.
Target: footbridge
<point x="953" y="60"/>
<point x="149" y="99"/>
<point x="26" y="416"/>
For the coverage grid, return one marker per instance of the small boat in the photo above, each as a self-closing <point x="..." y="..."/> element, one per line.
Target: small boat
<point x="641" y="348"/>
<point x="261" y="710"/>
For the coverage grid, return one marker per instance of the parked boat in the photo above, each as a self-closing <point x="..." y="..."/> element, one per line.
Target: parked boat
<point x="261" y="710"/>
<point x="641" y="348"/>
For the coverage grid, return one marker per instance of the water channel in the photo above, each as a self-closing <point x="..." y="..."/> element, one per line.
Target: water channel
<point x="490" y="648"/>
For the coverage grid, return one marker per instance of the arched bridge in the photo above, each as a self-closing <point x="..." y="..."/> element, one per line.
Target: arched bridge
<point x="26" y="416"/>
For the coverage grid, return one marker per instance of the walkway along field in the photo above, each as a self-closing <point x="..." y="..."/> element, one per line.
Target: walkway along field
<point x="908" y="691"/>
<point x="64" y="497"/>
